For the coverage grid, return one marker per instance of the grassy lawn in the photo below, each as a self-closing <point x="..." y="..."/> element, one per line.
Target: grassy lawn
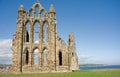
<point x="91" y="73"/>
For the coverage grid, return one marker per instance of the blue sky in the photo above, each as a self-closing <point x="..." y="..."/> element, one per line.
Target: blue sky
<point x="95" y="23"/>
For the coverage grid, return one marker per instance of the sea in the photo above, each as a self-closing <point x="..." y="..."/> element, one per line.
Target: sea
<point x="98" y="67"/>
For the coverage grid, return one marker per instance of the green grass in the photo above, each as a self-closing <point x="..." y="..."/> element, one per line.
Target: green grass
<point x="96" y="73"/>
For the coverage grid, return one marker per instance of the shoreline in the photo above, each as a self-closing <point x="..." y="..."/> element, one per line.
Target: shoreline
<point x="99" y="67"/>
<point x="107" y="69"/>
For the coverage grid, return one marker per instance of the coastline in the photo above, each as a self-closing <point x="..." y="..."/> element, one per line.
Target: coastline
<point x="99" y="67"/>
<point x="108" y="69"/>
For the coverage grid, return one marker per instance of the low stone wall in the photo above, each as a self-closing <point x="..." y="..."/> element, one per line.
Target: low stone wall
<point x="43" y="69"/>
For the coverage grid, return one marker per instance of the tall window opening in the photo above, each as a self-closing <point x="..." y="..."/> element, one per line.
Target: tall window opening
<point x="42" y="14"/>
<point x="36" y="51"/>
<point x="45" y="32"/>
<point x="36" y="32"/>
<point x="27" y="32"/>
<point x="44" y="53"/>
<point x="27" y="57"/>
<point x="72" y="54"/>
<point x="31" y="13"/>
<point x="37" y="11"/>
<point x="60" y="58"/>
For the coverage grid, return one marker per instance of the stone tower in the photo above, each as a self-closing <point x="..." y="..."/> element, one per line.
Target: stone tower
<point x="47" y="53"/>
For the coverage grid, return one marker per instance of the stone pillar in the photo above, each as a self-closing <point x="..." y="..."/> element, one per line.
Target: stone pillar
<point x="18" y="42"/>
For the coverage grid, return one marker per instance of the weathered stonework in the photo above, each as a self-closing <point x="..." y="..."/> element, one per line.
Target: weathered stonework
<point x="54" y="55"/>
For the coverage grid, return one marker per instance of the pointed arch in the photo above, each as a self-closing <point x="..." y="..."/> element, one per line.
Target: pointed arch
<point x="28" y="21"/>
<point x="45" y="55"/>
<point x="31" y="13"/>
<point x="36" y="32"/>
<point x="27" y="32"/>
<point x="60" y="58"/>
<point x="37" y="11"/>
<point x="36" y="21"/>
<point x="26" y="56"/>
<point x="36" y="56"/>
<point x="45" y="31"/>
<point x="42" y="13"/>
<point x="37" y="5"/>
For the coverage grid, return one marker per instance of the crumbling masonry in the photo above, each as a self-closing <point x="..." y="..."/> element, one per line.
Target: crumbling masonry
<point x="53" y="54"/>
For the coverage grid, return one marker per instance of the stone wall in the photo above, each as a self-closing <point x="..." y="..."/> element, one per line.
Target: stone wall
<point x="54" y="55"/>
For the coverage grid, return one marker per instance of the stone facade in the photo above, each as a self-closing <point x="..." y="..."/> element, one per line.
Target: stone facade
<point x="54" y="55"/>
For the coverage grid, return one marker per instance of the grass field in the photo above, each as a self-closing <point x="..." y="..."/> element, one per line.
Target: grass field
<point x="80" y="73"/>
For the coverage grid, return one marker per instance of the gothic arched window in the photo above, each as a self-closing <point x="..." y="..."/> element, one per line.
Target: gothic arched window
<point x="42" y="13"/>
<point x="37" y="11"/>
<point x="45" y="32"/>
<point x="31" y="13"/>
<point x="36" y="32"/>
<point x="36" y="52"/>
<point x="27" y="32"/>
<point x="44" y="54"/>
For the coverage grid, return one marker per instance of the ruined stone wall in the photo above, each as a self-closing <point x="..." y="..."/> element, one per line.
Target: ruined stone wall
<point x="73" y="54"/>
<point x="61" y="46"/>
<point x="54" y="55"/>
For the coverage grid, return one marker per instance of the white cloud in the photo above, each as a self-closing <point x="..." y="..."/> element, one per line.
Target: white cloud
<point x="6" y="55"/>
<point x="36" y="41"/>
<point x="36" y="51"/>
<point x="88" y="59"/>
<point x="83" y="58"/>
<point x="5" y="42"/>
<point x="5" y="51"/>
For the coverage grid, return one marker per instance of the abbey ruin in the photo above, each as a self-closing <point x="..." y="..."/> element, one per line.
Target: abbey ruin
<point x="36" y="45"/>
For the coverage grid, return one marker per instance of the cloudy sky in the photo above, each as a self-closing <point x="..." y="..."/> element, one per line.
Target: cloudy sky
<point x="95" y="23"/>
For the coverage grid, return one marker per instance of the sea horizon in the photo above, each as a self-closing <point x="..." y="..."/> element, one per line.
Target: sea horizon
<point x="98" y="67"/>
